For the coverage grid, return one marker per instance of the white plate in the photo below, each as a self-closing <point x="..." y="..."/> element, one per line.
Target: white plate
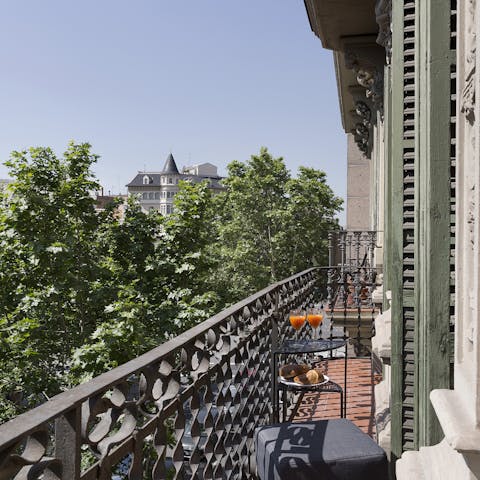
<point x="291" y="383"/>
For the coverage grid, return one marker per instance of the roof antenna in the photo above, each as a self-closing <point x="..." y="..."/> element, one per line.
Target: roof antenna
<point x="144" y="168"/>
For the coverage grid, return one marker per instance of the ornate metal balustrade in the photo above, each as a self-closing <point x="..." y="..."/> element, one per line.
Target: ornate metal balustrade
<point x="188" y="408"/>
<point x="346" y="295"/>
<point x="352" y="249"/>
<point x="350" y="306"/>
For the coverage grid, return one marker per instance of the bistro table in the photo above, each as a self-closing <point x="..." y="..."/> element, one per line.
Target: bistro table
<point x="302" y="347"/>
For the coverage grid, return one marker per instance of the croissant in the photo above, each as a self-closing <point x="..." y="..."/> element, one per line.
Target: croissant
<point x="309" y="378"/>
<point x="293" y="369"/>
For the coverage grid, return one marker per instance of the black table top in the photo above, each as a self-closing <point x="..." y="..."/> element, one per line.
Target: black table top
<point x="321" y="387"/>
<point x="309" y="346"/>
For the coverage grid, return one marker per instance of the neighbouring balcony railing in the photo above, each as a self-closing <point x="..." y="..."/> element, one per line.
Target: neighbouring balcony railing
<point x="188" y="408"/>
<point x="352" y="248"/>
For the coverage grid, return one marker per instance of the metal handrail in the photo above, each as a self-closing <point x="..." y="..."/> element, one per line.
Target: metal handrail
<point x="184" y="366"/>
<point x="218" y="373"/>
<point x="26" y="422"/>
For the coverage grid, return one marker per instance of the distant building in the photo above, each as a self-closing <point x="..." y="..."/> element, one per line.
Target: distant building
<point x="102" y="201"/>
<point x="201" y="170"/>
<point x="157" y="190"/>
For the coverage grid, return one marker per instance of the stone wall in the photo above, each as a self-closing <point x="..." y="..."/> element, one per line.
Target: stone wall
<point x="358" y="187"/>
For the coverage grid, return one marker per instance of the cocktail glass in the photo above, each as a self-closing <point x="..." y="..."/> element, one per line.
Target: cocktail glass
<point x="297" y="319"/>
<point x="315" y="318"/>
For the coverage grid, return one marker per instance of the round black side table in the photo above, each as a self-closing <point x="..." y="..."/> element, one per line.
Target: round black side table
<point x="300" y="347"/>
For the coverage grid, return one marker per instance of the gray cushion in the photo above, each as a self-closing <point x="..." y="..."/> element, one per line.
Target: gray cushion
<point x="325" y="449"/>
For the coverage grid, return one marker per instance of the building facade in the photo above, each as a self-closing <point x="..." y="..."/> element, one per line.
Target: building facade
<point x="156" y="190"/>
<point x="407" y="82"/>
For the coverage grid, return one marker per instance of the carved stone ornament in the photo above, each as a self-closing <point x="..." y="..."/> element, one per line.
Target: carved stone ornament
<point x="361" y="135"/>
<point x="366" y="59"/>
<point x="383" y="14"/>
<point x="471" y="215"/>
<point x="364" y="112"/>
<point x="369" y="75"/>
<point x="468" y="91"/>
<point x="361" y="132"/>
<point x="468" y="96"/>
<point x="361" y="138"/>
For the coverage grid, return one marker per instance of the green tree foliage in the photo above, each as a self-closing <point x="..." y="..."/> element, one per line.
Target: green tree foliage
<point x="82" y="292"/>
<point x="270" y="225"/>
<point x="49" y="287"/>
<point x="181" y="264"/>
<point x="157" y="265"/>
<point x="312" y="210"/>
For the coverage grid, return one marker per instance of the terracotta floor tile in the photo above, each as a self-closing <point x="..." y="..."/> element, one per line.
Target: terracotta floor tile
<point x="359" y="394"/>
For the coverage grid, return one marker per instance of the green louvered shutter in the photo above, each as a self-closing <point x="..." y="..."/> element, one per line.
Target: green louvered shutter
<point x="453" y="111"/>
<point x="408" y="224"/>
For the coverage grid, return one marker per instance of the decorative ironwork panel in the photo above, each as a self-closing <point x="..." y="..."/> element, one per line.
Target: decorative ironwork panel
<point x="352" y="249"/>
<point x="185" y="410"/>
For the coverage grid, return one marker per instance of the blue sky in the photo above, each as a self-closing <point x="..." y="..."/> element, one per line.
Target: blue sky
<point x="209" y="80"/>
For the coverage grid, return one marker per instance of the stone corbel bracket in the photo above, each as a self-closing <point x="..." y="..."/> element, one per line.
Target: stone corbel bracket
<point x="367" y="59"/>
<point x="363" y="128"/>
<point x="363" y="118"/>
<point x="383" y="14"/>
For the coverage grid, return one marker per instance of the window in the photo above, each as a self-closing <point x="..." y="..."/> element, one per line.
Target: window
<point x="146" y="180"/>
<point x="169" y="209"/>
<point x="177" y="181"/>
<point x="145" y="196"/>
<point x="163" y="180"/>
<point x="157" y="195"/>
<point x="150" y="195"/>
<point x="170" y="180"/>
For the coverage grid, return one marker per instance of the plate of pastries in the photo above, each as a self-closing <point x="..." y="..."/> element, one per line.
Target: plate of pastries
<point x="300" y="374"/>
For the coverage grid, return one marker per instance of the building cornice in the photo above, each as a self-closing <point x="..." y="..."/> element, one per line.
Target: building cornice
<point x="359" y="33"/>
<point x="332" y="20"/>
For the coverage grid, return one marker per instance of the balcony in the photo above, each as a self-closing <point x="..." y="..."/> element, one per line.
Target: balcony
<point x="188" y="408"/>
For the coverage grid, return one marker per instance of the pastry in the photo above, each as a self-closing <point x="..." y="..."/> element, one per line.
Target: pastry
<point x="291" y="370"/>
<point x="310" y="378"/>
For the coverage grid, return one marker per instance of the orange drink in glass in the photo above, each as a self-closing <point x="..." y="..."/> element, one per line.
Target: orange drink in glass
<point x="315" y="318"/>
<point x="297" y="319"/>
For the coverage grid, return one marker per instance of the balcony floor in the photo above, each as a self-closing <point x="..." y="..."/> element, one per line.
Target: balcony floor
<point x="360" y="399"/>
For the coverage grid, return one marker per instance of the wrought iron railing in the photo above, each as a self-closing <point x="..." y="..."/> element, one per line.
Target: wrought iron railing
<point x="352" y="249"/>
<point x="188" y="408"/>
<point x="204" y="391"/>
<point x="351" y="307"/>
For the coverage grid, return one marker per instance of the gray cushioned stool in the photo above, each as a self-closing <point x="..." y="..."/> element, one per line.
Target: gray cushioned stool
<point x="324" y="449"/>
